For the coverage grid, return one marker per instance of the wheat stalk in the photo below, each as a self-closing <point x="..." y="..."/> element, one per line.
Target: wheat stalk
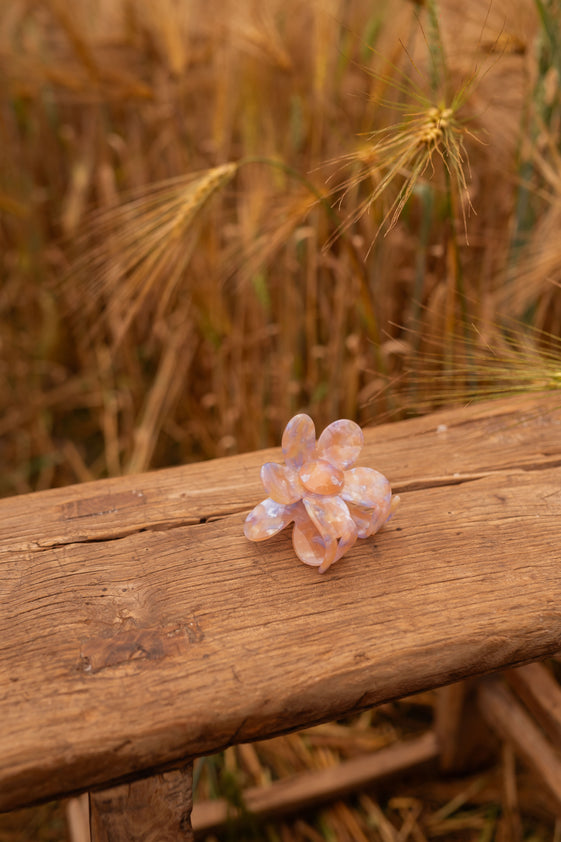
<point x="143" y="246"/>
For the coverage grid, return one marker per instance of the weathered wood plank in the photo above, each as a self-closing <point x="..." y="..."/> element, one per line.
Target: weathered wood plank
<point x="464" y="740"/>
<point x="522" y="433"/>
<point x="127" y="654"/>
<point x="157" y="809"/>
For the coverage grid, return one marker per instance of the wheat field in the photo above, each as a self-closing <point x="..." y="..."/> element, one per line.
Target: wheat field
<point x="221" y="213"/>
<point x="216" y="214"/>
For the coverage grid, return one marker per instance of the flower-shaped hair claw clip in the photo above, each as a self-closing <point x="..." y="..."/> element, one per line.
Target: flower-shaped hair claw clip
<point x="331" y="503"/>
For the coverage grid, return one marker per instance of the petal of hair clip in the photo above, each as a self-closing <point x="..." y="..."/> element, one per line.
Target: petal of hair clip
<point x="342" y="547"/>
<point x="310" y="547"/>
<point x="366" y="488"/>
<point x="321" y="477"/>
<point x="281" y="483"/>
<point x="298" y="440"/>
<point x="266" y="519"/>
<point x="341" y="443"/>
<point x="331" y="503"/>
<point x="330" y="515"/>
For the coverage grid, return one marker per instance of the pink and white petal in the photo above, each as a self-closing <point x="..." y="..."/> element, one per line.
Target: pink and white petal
<point x="330" y="516"/>
<point x="281" y="483"/>
<point x="380" y="518"/>
<point x="362" y="519"/>
<point x="321" y="477"/>
<point x="340" y="443"/>
<point x="342" y="547"/>
<point x="298" y="440"/>
<point x="310" y="547"/>
<point x="386" y="513"/>
<point x="369" y="521"/>
<point x="266" y="519"/>
<point x="366" y="488"/>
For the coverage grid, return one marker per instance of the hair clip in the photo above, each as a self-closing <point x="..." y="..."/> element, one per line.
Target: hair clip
<point x="331" y="503"/>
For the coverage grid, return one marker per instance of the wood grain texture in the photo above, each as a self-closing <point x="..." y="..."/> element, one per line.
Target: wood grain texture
<point x="157" y="809"/>
<point x="139" y="627"/>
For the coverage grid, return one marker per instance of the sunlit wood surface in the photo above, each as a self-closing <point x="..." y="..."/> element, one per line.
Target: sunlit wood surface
<point x="139" y="627"/>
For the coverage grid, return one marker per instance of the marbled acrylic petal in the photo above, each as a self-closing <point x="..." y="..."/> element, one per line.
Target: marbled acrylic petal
<point x="366" y="488"/>
<point x="298" y="440"/>
<point x="266" y="519"/>
<point x="362" y="519"/>
<point x="386" y="512"/>
<point x="342" y="547"/>
<point x="331" y="504"/>
<point x="330" y="516"/>
<point x="369" y="521"/>
<point x="281" y="483"/>
<point x="321" y="477"/>
<point x="340" y="443"/>
<point x="310" y="547"/>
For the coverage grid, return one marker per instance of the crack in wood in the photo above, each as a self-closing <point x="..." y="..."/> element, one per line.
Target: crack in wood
<point x="113" y="536"/>
<point x="399" y="487"/>
<point x="163" y="526"/>
<point x="438" y="482"/>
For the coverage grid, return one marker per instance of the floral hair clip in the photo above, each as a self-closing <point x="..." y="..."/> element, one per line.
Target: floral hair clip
<point x="331" y="503"/>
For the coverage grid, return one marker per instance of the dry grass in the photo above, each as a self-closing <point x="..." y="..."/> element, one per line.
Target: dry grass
<point x="420" y="807"/>
<point x="219" y="213"/>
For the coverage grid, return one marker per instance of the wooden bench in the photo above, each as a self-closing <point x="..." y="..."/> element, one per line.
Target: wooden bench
<point x="139" y="628"/>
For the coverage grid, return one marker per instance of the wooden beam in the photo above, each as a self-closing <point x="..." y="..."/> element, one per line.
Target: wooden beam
<point x="78" y="818"/>
<point x="139" y="627"/>
<point x="541" y="694"/>
<point x="508" y="718"/>
<point x="445" y="449"/>
<point x="449" y="718"/>
<point x="156" y="809"/>
<point x="465" y="741"/>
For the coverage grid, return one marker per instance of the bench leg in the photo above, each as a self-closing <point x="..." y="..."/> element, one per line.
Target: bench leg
<point x="156" y="809"/>
<point x="465" y="740"/>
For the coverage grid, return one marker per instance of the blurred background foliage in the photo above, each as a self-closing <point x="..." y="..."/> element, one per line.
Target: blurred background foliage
<point x="214" y="214"/>
<point x="217" y="213"/>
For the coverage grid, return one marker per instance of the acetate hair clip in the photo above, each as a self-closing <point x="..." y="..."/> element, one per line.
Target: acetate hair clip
<point x="331" y="503"/>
